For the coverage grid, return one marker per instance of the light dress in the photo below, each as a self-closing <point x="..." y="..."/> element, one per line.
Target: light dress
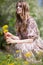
<point x="30" y="49"/>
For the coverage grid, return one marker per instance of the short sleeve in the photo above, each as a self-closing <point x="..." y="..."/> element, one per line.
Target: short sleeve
<point x="33" y="29"/>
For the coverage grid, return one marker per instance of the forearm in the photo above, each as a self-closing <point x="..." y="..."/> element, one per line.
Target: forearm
<point x="15" y="37"/>
<point x="23" y="41"/>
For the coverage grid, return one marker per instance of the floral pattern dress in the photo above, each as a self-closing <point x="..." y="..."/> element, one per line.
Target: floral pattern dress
<point x="30" y="49"/>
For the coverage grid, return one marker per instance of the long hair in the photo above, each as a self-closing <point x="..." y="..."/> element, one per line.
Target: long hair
<point x="21" y="21"/>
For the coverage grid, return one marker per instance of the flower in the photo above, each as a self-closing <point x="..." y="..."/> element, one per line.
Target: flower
<point x="16" y="58"/>
<point x="40" y="53"/>
<point x="11" y="64"/>
<point x="17" y="51"/>
<point x="26" y="62"/>
<point x="5" y="31"/>
<point x="5" y="28"/>
<point x="28" y="54"/>
<point x="3" y="62"/>
<point x="8" y="55"/>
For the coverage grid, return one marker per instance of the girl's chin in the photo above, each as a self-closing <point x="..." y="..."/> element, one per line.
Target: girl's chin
<point x="18" y="12"/>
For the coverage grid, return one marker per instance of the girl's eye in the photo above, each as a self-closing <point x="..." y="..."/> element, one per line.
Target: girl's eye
<point x="19" y="6"/>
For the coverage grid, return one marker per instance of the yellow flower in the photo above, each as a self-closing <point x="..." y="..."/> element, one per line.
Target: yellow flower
<point x="40" y="53"/>
<point x="11" y="64"/>
<point x="28" y="54"/>
<point x="5" y="31"/>
<point x="17" y="51"/>
<point x="3" y="62"/>
<point x="16" y="58"/>
<point x="26" y="62"/>
<point x="18" y="64"/>
<point x="5" y="28"/>
<point x="9" y="55"/>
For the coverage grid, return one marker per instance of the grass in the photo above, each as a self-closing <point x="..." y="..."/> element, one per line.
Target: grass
<point x="8" y="59"/>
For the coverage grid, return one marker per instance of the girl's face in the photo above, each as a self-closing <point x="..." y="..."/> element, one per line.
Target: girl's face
<point x="19" y="8"/>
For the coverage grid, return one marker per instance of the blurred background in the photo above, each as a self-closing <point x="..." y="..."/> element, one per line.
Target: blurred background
<point x="7" y="15"/>
<point x="7" y="22"/>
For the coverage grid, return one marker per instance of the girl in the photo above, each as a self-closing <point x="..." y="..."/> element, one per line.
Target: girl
<point x="27" y="37"/>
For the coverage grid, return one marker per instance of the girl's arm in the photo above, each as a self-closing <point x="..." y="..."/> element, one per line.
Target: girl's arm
<point x="15" y="39"/>
<point x="23" y="41"/>
<point x="12" y="41"/>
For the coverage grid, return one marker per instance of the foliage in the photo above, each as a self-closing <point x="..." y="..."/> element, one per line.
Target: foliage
<point x="7" y="17"/>
<point x="8" y="59"/>
<point x="37" y="12"/>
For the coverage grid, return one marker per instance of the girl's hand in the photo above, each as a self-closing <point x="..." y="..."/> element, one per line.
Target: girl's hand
<point x="8" y="34"/>
<point x="9" y="40"/>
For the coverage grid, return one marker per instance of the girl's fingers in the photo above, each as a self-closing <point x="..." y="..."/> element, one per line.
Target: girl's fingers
<point x="8" y="40"/>
<point x="7" y="37"/>
<point x="8" y="34"/>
